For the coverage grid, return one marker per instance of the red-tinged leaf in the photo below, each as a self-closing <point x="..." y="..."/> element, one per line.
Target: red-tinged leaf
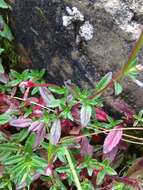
<point x="86" y="148"/>
<point x="76" y="111"/>
<point x="66" y="126"/>
<point x="41" y="133"/>
<point x="101" y="115"/>
<point x="112" y="139"/>
<point x="112" y="154"/>
<point x="55" y="132"/>
<point x="123" y="107"/>
<point x="22" y="122"/>
<point x="4" y="99"/>
<point x="36" y="125"/>
<point x="46" y="95"/>
<point x="85" y="115"/>
<point x="3" y="78"/>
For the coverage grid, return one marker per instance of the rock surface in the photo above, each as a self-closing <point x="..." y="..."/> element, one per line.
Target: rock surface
<point x="45" y="42"/>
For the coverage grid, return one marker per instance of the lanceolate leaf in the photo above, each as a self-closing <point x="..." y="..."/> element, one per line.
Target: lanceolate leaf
<point x="86" y="148"/>
<point x="41" y="133"/>
<point x="4" y="5"/>
<point x="9" y="147"/>
<point x="6" y="33"/>
<point x="57" y="90"/>
<point x="100" y="177"/>
<point x="101" y="115"/>
<point x="36" y="125"/>
<point x="46" y="95"/>
<point x="118" y="88"/>
<point x="85" y="115"/>
<point x="112" y="139"/>
<point x="123" y="107"/>
<point x="3" y="78"/>
<point x="13" y="160"/>
<point x="1" y="68"/>
<point x="55" y="133"/>
<point x="104" y="81"/>
<point x="21" y="122"/>
<point x="112" y="154"/>
<point x="4" y="119"/>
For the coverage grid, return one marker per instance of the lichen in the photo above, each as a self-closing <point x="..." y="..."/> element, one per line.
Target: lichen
<point x="86" y="31"/>
<point x="73" y="15"/>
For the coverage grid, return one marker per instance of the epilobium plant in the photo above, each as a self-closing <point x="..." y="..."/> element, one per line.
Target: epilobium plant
<point x="54" y="137"/>
<point x="58" y="134"/>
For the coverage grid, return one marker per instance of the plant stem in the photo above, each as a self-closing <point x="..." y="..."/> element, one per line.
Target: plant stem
<point x="120" y="74"/>
<point x="34" y="103"/>
<point x="105" y="131"/>
<point x="134" y="52"/>
<point x="75" y="176"/>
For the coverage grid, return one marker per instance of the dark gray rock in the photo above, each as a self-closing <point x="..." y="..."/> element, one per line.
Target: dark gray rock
<point x="44" y="42"/>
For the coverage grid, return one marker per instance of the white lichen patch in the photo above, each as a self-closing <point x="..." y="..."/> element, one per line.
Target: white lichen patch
<point x="86" y="31"/>
<point x="73" y="15"/>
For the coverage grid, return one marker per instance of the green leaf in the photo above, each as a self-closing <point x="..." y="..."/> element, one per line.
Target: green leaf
<point x="3" y="137"/>
<point x="14" y="74"/>
<point x="105" y="163"/>
<point x="50" y="149"/>
<point x="34" y="91"/>
<point x="29" y="143"/>
<point x="100" y="177"/>
<point x="4" y="5"/>
<point x="13" y="160"/>
<point x="86" y="185"/>
<point x="104" y="81"/>
<point x="14" y="82"/>
<point x="23" y="135"/>
<point x="9" y="147"/>
<point x="21" y="174"/>
<point x="58" y="90"/>
<point x="1" y="50"/>
<point x="66" y="114"/>
<point x="54" y="103"/>
<point x="1" y="67"/>
<point x="132" y="65"/>
<point x="110" y="171"/>
<point x="4" y="118"/>
<point x="118" y="186"/>
<point x="118" y="88"/>
<point x="3" y="184"/>
<point x="40" y="162"/>
<point x="4" y="155"/>
<point x="90" y="171"/>
<point x="6" y="32"/>
<point x="9" y="186"/>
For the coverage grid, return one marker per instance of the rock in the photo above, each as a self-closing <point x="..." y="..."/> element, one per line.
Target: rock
<point x="78" y="39"/>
